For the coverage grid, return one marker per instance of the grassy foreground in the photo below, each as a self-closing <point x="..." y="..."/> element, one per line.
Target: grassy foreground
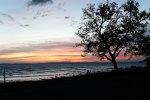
<point x="121" y="85"/>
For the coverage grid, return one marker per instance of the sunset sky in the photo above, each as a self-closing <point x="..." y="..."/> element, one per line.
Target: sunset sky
<point x="43" y="31"/>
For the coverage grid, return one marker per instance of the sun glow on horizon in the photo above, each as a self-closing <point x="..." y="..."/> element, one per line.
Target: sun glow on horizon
<point x="51" y="55"/>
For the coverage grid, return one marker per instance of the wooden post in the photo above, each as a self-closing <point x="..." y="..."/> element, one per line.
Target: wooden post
<point x="3" y="90"/>
<point x="4" y="73"/>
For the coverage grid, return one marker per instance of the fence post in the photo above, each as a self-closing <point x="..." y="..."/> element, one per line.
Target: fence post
<point x="3" y="90"/>
<point x="4" y="73"/>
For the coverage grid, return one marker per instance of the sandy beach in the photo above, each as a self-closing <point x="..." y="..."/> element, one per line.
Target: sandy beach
<point x="123" y="85"/>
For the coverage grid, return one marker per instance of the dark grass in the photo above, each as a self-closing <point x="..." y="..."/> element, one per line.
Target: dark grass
<point x="127" y="84"/>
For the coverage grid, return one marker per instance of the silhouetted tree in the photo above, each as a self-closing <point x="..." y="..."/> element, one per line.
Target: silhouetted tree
<point x="108" y="29"/>
<point x="143" y="48"/>
<point x="146" y="49"/>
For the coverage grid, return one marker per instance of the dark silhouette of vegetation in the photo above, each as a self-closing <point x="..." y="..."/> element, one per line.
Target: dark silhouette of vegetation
<point x="108" y="29"/>
<point x="147" y="52"/>
<point x="143" y="48"/>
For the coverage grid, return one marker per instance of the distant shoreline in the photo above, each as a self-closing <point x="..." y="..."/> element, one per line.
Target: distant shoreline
<point x="77" y="62"/>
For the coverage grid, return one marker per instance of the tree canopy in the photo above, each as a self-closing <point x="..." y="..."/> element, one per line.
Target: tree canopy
<point x="107" y="29"/>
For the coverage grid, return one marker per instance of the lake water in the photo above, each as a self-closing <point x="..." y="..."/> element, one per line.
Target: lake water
<point x="26" y="72"/>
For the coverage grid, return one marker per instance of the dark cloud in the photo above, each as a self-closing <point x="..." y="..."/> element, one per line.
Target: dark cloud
<point x="45" y="7"/>
<point x="67" y="17"/>
<point x="72" y="20"/>
<point x="8" y="16"/>
<point x="25" y="25"/>
<point x="39" y="2"/>
<point x="41" y="14"/>
<point x="6" y="19"/>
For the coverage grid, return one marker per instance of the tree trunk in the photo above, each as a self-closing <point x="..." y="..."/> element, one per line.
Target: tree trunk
<point x="114" y="64"/>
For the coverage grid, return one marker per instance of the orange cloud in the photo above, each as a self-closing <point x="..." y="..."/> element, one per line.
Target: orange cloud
<point x="62" y="54"/>
<point x="48" y="53"/>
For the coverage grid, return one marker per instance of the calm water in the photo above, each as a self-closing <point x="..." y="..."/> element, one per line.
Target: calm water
<point x="24" y="72"/>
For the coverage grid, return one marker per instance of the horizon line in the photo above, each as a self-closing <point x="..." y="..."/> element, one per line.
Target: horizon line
<point x="73" y="62"/>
